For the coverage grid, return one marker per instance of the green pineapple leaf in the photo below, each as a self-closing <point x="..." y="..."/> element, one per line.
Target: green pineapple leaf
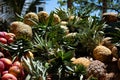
<point x="36" y="69"/>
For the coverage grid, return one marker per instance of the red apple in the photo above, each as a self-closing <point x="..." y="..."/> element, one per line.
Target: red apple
<point x="15" y="70"/>
<point x="8" y="76"/>
<point x="7" y="62"/>
<point x="3" y="40"/>
<point x="2" y="67"/>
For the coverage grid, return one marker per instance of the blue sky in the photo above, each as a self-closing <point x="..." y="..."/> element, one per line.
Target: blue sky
<point x="51" y="5"/>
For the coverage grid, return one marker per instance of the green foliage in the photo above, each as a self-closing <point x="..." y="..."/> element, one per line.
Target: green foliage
<point x="80" y="69"/>
<point x="62" y="14"/>
<point x="62" y="65"/>
<point x="90" y="6"/>
<point x="42" y="47"/>
<point x="18" y="48"/>
<point x="116" y="37"/>
<point x="113" y="30"/>
<point x="65" y="55"/>
<point x="90" y="33"/>
<point x="16" y="5"/>
<point x="35" y="68"/>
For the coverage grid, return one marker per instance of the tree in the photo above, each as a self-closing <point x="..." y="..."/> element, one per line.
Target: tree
<point x="21" y="6"/>
<point x="93" y="5"/>
<point x="69" y="3"/>
<point x="104" y="6"/>
<point x="17" y="5"/>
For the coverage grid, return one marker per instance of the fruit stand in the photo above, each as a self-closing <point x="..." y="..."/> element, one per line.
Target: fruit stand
<point x="59" y="46"/>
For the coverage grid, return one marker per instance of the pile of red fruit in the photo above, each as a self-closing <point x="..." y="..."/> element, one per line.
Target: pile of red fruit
<point x="11" y="70"/>
<point x="6" y="38"/>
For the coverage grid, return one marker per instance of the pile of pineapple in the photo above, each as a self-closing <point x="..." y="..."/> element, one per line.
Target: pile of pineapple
<point x="57" y="46"/>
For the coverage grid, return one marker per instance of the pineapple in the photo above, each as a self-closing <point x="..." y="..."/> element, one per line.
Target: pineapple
<point x="102" y="53"/>
<point x="90" y="34"/>
<point x="108" y="43"/>
<point x="30" y="19"/>
<point x="106" y="50"/>
<point x="43" y="17"/>
<point x="64" y="26"/>
<point x="82" y="60"/>
<point x="56" y="19"/>
<point x="21" y="30"/>
<point x="96" y="69"/>
<point x="110" y="17"/>
<point x="70" y="39"/>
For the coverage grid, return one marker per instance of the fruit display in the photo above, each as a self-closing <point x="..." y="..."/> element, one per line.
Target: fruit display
<point x="57" y="46"/>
